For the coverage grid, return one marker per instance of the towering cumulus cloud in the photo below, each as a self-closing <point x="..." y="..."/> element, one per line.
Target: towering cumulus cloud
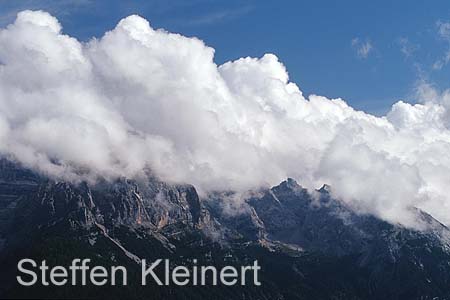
<point x="140" y="98"/>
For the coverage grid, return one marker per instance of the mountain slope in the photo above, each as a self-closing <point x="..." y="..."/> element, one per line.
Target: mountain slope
<point x="310" y="246"/>
<point x="396" y="262"/>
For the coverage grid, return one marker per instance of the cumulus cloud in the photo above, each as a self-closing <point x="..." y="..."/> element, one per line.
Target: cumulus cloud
<point x="140" y="98"/>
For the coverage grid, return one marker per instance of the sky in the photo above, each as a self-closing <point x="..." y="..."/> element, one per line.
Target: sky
<point x="370" y="53"/>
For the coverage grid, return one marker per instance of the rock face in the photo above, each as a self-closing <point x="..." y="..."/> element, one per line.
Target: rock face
<point x="317" y="222"/>
<point x="398" y="262"/>
<point x="151" y="204"/>
<point x="310" y="245"/>
<point x="32" y="205"/>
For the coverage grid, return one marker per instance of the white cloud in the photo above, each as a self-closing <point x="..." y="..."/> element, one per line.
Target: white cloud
<point x="362" y="48"/>
<point x="142" y="98"/>
<point x="444" y="34"/>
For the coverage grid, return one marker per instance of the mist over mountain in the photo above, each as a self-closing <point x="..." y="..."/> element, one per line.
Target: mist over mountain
<point x="140" y="98"/>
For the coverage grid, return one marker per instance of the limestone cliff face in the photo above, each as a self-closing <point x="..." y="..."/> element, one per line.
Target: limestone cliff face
<point x="31" y="201"/>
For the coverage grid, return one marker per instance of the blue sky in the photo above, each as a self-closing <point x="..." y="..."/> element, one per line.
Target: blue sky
<point x="370" y="53"/>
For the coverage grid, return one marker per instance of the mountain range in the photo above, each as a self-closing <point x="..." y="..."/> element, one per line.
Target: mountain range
<point x="309" y="245"/>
